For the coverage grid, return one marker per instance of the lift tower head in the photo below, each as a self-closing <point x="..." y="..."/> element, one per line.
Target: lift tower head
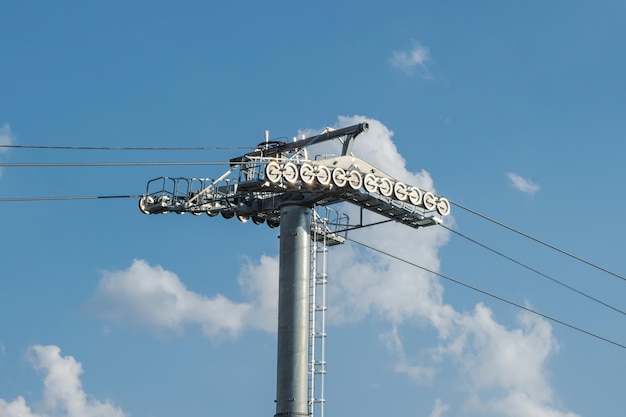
<point x="279" y="185"/>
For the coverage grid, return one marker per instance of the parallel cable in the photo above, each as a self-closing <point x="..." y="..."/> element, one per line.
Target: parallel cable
<point x="103" y="164"/>
<point x="125" y="148"/>
<point x="534" y="270"/>
<point x="530" y="310"/>
<point x="540" y="241"/>
<point x="91" y="197"/>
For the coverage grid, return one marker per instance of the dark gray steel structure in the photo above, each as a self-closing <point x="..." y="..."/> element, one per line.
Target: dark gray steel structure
<point x="279" y="185"/>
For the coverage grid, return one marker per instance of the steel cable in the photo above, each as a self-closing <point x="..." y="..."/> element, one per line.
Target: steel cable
<point x="539" y="241"/>
<point x="534" y="270"/>
<point x="530" y="310"/>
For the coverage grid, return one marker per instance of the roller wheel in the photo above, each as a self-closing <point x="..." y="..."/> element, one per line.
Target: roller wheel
<point x="415" y="196"/>
<point x="339" y="177"/>
<point x="370" y="183"/>
<point x="273" y="172"/>
<point x="273" y="223"/>
<point x="307" y="174"/>
<point x="400" y="191"/>
<point x="385" y="187"/>
<point x="430" y="201"/>
<point x="143" y="202"/>
<point x="355" y="179"/>
<point x="443" y="206"/>
<point x="290" y="172"/>
<point x="323" y="175"/>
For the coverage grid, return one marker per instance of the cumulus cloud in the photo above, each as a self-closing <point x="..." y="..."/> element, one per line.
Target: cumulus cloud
<point x="522" y="184"/>
<point x="500" y="366"/>
<point x="152" y="296"/>
<point x="420" y="374"/>
<point x="63" y="394"/>
<point x="259" y="281"/>
<point x="496" y="366"/>
<point x="412" y="60"/>
<point x="439" y="409"/>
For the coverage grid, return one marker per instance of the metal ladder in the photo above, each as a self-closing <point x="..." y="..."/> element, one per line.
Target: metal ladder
<point x="317" y="316"/>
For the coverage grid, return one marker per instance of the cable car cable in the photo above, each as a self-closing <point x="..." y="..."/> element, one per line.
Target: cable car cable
<point x="125" y="148"/>
<point x="539" y="241"/>
<point x="103" y="164"/>
<point x="535" y="271"/>
<point x="530" y="310"/>
<point x="93" y="197"/>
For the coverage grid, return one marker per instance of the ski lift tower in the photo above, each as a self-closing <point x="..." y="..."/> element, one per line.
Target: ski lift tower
<point x="279" y="185"/>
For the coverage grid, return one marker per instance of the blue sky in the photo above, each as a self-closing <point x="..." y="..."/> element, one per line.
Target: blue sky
<point x="512" y="109"/>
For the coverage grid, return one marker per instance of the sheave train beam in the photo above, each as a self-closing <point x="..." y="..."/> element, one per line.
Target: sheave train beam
<point x="279" y="173"/>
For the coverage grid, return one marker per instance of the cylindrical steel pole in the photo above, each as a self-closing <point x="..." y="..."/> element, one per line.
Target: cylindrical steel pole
<point x="293" y="311"/>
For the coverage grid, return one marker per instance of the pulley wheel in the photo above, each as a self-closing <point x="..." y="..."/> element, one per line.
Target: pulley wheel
<point x="400" y="191"/>
<point x="258" y="219"/>
<point x="355" y="179"/>
<point x="443" y="206"/>
<point x="415" y="196"/>
<point x="339" y="177"/>
<point x="290" y="172"/>
<point x="307" y="174"/>
<point x="273" y="172"/>
<point x="273" y="223"/>
<point x="323" y="175"/>
<point x="385" y="187"/>
<point x="143" y="202"/>
<point x="430" y="201"/>
<point x="370" y="183"/>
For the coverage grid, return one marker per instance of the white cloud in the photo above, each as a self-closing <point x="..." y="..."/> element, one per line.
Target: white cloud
<point x="519" y="404"/>
<point x="259" y="282"/>
<point x="522" y="184"/>
<point x="498" y="365"/>
<point x="63" y="394"/>
<point x="495" y="365"/>
<point x="152" y="296"/>
<point x="439" y="409"/>
<point x="16" y="408"/>
<point x="419" y="374"/>
<point x="411" y="60"/>
<point x="6" y="138"/>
